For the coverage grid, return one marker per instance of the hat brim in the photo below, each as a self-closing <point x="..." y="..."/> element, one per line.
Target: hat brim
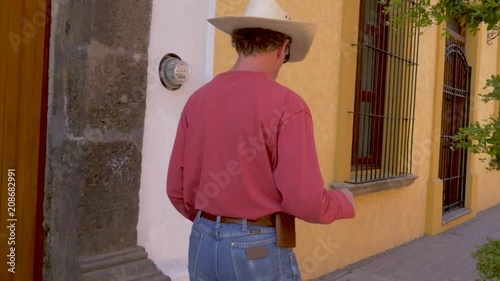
<point x="302" y="33"/>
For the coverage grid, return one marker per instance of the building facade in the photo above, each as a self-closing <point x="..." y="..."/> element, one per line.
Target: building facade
<point x="91" y="195"/>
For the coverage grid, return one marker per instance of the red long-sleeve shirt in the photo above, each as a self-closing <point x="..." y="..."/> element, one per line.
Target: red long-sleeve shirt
<point x="245" y="148"/>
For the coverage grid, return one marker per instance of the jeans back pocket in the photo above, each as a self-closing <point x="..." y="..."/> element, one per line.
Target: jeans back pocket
<point x="256" y="260"/>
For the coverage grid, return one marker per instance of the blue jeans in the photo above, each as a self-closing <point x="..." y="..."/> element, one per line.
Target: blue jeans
<point x="238" y="252"/>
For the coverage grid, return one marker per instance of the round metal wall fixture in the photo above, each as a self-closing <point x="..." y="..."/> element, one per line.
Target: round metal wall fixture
<point x="173" y="71"/>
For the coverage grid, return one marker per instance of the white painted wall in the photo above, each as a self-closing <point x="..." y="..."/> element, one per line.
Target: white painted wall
<point x="180" y="27"/>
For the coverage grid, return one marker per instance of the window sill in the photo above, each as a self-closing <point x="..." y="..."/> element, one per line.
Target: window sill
<point x="453" y="215"/>
<point x="376" y="186"/>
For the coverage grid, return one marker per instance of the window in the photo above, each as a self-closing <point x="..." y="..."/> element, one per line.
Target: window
<point x="385" y="96"/>
<point x="454" y="115"/>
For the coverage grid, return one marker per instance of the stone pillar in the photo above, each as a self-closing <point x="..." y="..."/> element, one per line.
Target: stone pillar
<point x="95" y="127"/>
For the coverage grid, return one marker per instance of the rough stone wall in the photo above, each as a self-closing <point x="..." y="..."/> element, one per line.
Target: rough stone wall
<point x="95" y="124"/>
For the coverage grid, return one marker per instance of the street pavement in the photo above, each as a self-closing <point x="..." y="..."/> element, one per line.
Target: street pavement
<point x="444" y="257"/>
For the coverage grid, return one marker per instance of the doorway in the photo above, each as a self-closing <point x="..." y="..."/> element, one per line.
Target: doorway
<point x="455" y="114"/>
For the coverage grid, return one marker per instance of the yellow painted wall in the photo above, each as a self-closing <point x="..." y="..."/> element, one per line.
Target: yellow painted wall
<point x="326" y="81"/>
<point x="488" y="183"/>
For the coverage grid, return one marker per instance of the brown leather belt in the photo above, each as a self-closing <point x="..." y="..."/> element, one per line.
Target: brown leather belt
<point x="268" y="221"/>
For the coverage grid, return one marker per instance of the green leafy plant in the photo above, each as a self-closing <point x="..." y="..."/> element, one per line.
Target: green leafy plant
<point x="470" y="14"/>
<point x="487" y="258"/>
<point x="483" y="138"/>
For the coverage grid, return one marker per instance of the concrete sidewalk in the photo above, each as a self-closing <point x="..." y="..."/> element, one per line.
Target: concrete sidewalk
<point x="444" y="257"/>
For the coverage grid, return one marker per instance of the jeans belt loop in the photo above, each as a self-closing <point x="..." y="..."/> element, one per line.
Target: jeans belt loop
<point x="244" y="225"/>
<point x="217" y="222"/>
<point x="198" y="216"/>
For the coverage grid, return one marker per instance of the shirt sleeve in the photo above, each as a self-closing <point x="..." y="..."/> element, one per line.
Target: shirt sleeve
<point x="175" y="187"/>
<point x="298" y="176"/>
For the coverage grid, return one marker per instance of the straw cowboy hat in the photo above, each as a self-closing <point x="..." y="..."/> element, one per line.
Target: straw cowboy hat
<point x="269" y="15"/>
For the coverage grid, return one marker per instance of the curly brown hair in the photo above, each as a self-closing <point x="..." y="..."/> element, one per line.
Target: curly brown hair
<point x="248" y="41"/>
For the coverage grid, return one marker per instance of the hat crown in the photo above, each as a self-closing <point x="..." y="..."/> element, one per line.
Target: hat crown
<point x="268" y="14"/>
<point x="266" y="9"/>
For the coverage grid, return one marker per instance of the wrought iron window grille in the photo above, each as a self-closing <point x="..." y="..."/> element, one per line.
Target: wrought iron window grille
<point x="384" y="112"/>
<point x="455" y="114"/>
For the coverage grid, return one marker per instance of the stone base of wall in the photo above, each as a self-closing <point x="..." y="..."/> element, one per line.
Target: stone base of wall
<point x="126" y="265"/>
